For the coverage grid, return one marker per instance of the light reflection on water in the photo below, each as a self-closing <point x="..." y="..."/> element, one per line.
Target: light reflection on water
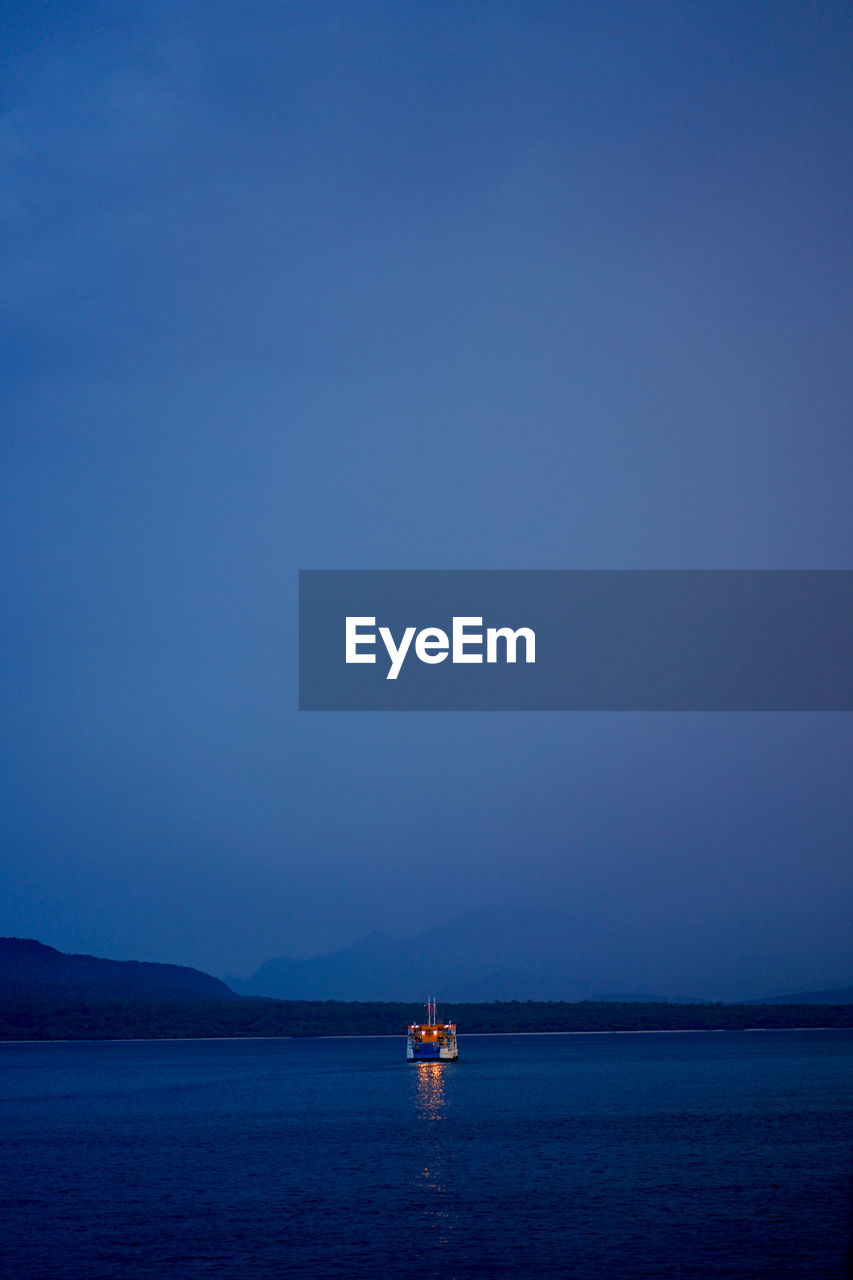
<point x="431" y="1096"/>
<point x="436" y="1156"/>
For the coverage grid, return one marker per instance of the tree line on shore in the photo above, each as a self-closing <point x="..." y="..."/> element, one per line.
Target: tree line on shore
<point x="92" y="1019"/>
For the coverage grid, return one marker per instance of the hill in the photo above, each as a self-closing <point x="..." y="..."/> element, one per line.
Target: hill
<point x="474" y="957"/>
<point x="31" y="970"/>
<point x="504" y="954"/>
<point x="834" y="995"/>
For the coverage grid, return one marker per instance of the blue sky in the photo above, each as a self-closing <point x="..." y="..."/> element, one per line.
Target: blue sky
<point x="412" y="286"/>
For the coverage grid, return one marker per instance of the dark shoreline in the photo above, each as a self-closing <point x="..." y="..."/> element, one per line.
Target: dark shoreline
<point x="76" y="1018"/>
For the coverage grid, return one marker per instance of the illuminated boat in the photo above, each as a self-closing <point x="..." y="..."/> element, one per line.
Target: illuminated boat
<point x="432" y="1041"/>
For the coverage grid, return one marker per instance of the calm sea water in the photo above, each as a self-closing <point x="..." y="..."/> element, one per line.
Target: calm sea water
<point x="537" y="1156"/>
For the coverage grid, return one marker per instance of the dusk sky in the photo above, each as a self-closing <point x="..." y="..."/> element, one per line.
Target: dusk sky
<point x="407" y="285"/>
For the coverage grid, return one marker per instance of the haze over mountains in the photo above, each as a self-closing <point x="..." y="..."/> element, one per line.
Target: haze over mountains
<point x="502" y="954"/>
<point x="499" y="954"/>
<point x="831" y="995"/>
<point x="33" y="972"/>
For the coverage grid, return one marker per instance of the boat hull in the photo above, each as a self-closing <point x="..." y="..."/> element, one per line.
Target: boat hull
<point x="431" y="1053"/>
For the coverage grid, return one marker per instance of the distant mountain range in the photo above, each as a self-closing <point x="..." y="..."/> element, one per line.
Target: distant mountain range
<point x="463" y="960"/>
<point x="832" y="995"/>
<point x="497" y="954"/>
<point x="500" y="954"/>
<point x="30" y="970"/>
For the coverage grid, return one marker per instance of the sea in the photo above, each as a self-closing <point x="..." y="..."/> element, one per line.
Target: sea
<point x="605" y="1155"/>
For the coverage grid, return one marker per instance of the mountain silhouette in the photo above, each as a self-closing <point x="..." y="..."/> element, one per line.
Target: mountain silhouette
<point x="503" y="953"/>
<point x="31" y="970"/>
<point x="831" y="995"/>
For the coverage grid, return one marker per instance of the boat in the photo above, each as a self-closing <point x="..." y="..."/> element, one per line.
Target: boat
<point x="431" y="1041"/>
